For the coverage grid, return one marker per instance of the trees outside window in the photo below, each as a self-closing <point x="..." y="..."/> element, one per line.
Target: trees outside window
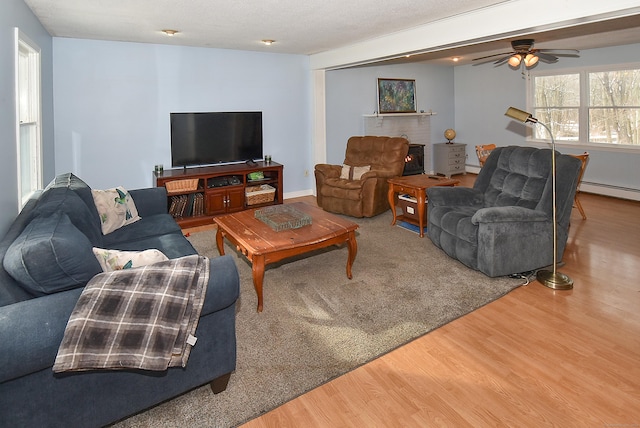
<point x="589" y="106"/>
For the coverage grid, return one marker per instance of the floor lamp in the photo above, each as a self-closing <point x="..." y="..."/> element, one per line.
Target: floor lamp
<point x="550" y="278"/>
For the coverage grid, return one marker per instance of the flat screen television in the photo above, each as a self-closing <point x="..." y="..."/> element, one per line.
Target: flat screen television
<point x="215" y="137"/>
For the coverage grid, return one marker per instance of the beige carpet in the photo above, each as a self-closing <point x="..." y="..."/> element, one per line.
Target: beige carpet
<point x="317" y="324"/>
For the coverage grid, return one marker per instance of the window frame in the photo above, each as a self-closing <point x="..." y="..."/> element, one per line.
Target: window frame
<point x="583" y="109"/>
<point x="23" y="44"/>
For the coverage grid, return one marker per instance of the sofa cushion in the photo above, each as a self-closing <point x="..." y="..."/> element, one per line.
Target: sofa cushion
<point x="51" y="255"/>
<point x="151" y="226"/>
<point x="111" y="260"/>
<point x="116" y="208"/>
<point x="66" y="200"/>
<point x="82" y="189"/>
<point x="172" y="245"/>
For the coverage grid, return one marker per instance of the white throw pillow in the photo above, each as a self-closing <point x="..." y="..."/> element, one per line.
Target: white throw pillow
<point x="346" y="172"/>
<point x="115" y="207"/>
<point x="358" y="171"/>
<point x="353" y="172"/>
<point x="111" y="260"/>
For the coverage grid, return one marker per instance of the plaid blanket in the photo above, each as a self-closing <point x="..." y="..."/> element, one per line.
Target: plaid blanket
<point x="141" y="318"/>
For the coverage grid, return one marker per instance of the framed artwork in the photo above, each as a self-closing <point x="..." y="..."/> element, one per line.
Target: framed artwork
<point x="396" y="96"/>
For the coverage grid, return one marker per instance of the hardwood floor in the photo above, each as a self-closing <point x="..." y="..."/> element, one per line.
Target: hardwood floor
<point x="536" y="357"/>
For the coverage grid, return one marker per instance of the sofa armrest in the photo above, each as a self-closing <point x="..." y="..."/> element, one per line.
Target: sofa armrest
<point x="31" y="331"/>
<point x="508" y="215"/>
<point x="150" y="201"/>
<point x="454" y="196"/>
<point x="224" y="284"/>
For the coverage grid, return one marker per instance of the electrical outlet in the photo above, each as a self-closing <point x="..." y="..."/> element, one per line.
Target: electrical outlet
<point x="306" y="172"/>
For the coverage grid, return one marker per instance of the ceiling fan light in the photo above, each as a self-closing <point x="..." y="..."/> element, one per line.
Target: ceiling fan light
<point x="514" y="61"/>
<point x="530" y="60"/>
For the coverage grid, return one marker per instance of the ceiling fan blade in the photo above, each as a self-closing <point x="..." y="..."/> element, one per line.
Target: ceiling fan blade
<point x="560" y="51"/>
<point x="502" y="60"/>
<point x="492" y="59"/>
<point x="566" y="55"/>
<point x="492" y="56"/>
<point x="546" y="57"/>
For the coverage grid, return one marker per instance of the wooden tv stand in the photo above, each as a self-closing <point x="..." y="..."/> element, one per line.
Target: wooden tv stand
<point x="216" y="190"/>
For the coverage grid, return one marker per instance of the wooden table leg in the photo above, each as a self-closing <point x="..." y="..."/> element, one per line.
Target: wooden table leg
<point x="353" y="251"/>
<point x="421" y="197"/>
<point x="257" y="269"/>
<point x="220" y="241"/>
<point x="392" y="202"/>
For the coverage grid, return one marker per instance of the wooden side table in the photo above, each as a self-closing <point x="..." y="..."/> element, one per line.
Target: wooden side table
<point x="416" y="186"/>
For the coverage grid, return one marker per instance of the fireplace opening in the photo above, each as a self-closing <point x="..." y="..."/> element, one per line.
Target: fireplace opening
<point x="414" y="162"/>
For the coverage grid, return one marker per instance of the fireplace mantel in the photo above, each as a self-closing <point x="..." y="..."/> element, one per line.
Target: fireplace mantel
<point x="383" y="115"/>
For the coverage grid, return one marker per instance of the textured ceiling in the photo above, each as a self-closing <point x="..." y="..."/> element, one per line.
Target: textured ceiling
<point x="297" y="26"/>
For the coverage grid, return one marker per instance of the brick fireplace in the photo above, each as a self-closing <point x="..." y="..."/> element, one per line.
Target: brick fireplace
<point x="414" y="127"/>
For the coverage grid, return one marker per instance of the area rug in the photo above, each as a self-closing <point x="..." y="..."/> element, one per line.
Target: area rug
<point x="317" y="324"/>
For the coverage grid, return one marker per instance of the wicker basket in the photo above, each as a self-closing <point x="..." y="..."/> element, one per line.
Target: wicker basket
<point x="180" y="186"/>
<point x="260" y="194"/>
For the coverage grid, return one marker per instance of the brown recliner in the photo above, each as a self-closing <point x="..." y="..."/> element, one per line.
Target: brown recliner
<point x="365" y="196"/>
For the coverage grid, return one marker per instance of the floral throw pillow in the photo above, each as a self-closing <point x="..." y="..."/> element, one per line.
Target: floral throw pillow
<point x="111" y="260"/>
<point x="115" y="207"/>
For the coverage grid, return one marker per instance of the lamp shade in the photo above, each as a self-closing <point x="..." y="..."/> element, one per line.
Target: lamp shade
<point x="520" y="115"/>
<point x="514" y="61"/>
<point x="530" y="60"/>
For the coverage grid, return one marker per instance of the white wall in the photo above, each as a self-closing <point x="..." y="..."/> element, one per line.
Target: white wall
<point x="113" y="99"/>
<point x="15" y="13"/>
<point x="483" y="93"/>
<point x="351" y="93"/>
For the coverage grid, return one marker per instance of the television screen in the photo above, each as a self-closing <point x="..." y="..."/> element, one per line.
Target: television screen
<point x="215" y="137"/>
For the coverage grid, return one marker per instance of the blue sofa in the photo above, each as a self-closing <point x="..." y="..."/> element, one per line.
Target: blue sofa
<point x="32" y="321"/>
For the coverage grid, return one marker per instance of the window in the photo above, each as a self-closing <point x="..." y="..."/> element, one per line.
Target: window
<point x="28" y="109"/>
<point x="590" y="106"/>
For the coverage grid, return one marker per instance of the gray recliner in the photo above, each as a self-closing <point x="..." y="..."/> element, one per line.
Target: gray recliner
<point x="503" y="225"/>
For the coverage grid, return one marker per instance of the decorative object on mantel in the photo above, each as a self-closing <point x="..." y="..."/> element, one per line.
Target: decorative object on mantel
<point x="282" y="217"/>
<point x="550" y="278"/>
<point x="449" y="134"/>
<point x="396" y="96"/>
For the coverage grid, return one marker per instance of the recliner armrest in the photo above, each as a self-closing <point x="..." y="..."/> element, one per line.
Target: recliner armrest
<point x="329" y="171"/>
<point x="508" y="214"/>
<point x="454" y="196"/>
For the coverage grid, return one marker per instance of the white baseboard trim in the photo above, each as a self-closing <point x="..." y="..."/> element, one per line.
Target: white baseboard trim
<point x="608" y="190"/>
<point x="588" y="187"/>
<point x="298" y="194"/>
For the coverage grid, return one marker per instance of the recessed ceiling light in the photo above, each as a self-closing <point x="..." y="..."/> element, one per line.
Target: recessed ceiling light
<point x="170" y="32"/>
<point x="455" y="59"/>
<point x="268" y="42"/>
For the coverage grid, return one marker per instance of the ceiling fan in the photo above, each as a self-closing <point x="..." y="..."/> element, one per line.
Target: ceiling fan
<point x="524" y="54"/>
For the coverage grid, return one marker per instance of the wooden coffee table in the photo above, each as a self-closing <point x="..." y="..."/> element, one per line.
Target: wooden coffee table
<point x="262" y="245"/>
<point x="416" y="186"/>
